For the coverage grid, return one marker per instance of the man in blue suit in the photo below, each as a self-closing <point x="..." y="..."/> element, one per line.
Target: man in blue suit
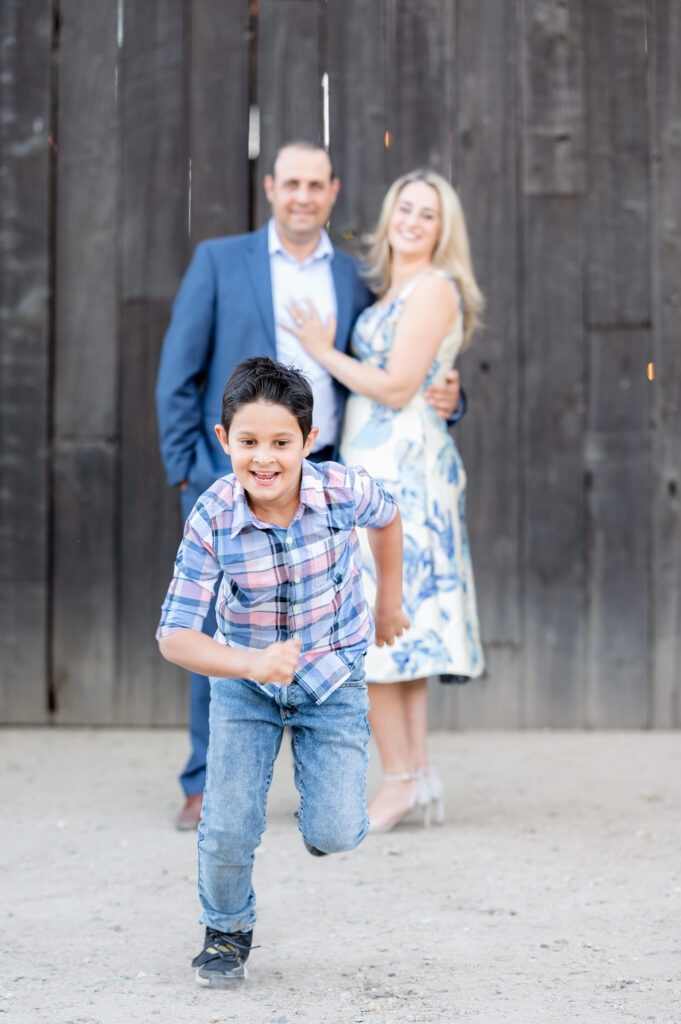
<point x="230" y="306"/>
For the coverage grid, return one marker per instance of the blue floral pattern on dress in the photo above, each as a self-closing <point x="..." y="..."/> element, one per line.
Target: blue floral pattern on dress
<point x="411" y="452"/>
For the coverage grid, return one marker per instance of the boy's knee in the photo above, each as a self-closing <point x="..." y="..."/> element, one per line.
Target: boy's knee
<point x="229" y="839"/>
<point x="226" y="848"/>
<point x="331" y="839"/>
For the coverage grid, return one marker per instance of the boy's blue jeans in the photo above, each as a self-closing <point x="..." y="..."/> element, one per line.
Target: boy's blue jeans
<point x="329" y="751"/>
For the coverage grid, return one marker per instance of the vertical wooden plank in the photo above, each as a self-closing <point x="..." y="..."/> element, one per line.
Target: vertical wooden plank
<point x="84" y="612"/>
<point x="289" y="80"/>
<point x="550" y="51"/>
<point x="154" y="255"/>
<point x="152" y="692"/>
<point x="488" y="436"/>
<point x="552" y="118"/>
<point x="665" y="568"/>
<point x="422" y="89"/>
<point x="86" y="367"/>
<point x="155" y="174"/>
<point x="617" y="251"/>
<point x="25" y="29"/>
<point x="616" y="459"/>
<point x="87" y="182"/>
<point x="553" y="407"/>
<point x="358" y="115"/>
<point x="218" y="118"/>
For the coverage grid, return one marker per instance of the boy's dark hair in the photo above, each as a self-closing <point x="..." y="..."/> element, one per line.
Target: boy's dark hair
<point x="260" y="379"/>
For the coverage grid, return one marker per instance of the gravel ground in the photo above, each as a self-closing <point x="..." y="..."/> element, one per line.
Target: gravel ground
<point x="552" y="892"/>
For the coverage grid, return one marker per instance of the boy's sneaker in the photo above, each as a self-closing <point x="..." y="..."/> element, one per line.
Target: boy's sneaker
<point x="223" y="958"/>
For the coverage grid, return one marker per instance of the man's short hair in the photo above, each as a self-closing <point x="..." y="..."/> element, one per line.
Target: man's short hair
<point x="302" y="144"/>
<point x="260" y="379"/>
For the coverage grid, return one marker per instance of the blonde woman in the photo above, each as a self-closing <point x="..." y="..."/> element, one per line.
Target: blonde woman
<point x="419" y="265"/>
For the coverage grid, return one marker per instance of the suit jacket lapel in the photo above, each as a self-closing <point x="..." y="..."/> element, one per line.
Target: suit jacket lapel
<point x="257" y="259"/>
<point x="343" y="283"/>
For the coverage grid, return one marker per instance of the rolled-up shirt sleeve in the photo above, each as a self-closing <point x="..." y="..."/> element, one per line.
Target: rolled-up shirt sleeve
<point x="374" y="506"/>
<point x="195" y="577"/>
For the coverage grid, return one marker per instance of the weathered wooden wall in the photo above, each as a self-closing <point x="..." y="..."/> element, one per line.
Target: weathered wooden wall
<point x="125" y="140"/>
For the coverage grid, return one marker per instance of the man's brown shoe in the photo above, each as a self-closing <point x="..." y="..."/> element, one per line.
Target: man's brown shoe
<point x="190" y="815"/>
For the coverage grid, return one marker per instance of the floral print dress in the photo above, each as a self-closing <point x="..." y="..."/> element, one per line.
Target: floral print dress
<point x="411" y="452"/>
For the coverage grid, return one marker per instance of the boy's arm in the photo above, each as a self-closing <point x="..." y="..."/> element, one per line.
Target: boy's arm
<point x="200" y="653"/>
<point x="180" y="640"/>
<point x="386" y="547"/>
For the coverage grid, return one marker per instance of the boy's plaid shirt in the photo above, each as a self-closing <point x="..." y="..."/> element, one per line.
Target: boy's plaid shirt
<point x="278" y="582"/>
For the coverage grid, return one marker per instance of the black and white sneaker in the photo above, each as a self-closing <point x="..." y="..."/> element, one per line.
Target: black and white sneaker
<point x="222" y="960"/>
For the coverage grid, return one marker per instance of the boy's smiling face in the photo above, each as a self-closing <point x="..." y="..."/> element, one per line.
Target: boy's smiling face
<point x="266" y="446"/>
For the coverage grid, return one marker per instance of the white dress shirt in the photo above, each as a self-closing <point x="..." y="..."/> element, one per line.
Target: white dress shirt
<point x="311" y="279"/>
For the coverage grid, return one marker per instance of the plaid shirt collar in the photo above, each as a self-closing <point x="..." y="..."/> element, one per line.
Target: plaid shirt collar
<point x="311" y="496"/>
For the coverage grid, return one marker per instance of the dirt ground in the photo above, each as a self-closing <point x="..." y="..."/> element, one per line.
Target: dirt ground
<point x="552" y="892"/>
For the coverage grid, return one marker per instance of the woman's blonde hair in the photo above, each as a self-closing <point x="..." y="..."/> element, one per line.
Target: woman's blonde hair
<point x="452" y="252"/>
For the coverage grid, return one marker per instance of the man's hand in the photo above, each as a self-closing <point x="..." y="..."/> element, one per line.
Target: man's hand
<point x="444" y="398"/>
<point x="390" y="622"/>
<point x="276" y="663"/>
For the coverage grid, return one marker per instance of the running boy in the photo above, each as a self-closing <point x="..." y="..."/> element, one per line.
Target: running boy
<point x="278" y="536"/>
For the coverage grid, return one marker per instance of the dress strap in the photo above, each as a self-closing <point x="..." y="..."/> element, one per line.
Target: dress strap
<point x="409" y="286"/>
<point x="437" y="272"/>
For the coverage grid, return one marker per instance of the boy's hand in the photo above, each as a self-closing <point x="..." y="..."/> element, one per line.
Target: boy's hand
<point x="390" y="622"/>
<point x="276" y="663"/>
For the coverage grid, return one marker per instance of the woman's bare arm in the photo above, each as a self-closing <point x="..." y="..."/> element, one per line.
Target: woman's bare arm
<point x="428" y="315"/>
<point x="386" y="548"/>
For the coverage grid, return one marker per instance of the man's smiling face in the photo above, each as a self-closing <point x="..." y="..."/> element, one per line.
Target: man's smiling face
<point x="301" y="193"/>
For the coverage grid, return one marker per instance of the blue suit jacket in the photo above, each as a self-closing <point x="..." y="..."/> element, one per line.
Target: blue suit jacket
<point x="222" y="314"/>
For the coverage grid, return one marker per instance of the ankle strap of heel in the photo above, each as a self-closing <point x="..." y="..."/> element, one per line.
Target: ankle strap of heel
<point x="400" y="777"/>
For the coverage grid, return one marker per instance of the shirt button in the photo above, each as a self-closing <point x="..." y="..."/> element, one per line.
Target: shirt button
<point x="289" y="540"/>
<point x="296" y="579"/>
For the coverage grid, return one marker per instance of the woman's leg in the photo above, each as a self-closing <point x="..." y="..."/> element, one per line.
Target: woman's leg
<point x="388" y="722"/>
<point x="416" y="713"/>
<point x="390" y="727"/>
<point x="432" y="789"/>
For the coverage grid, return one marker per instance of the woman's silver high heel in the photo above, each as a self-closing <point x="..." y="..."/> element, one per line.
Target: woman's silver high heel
<point x="419" y="797"/>
<point x="433" y="792"/>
